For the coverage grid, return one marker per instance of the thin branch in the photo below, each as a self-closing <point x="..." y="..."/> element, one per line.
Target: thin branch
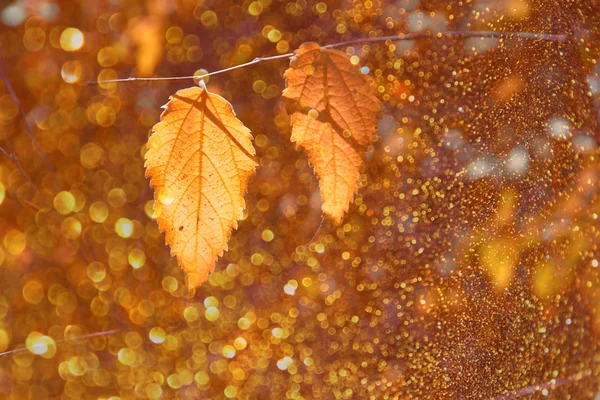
<point x="402" y="36"/>
<point x="554" y="383"/>
<point x="34" y="141"/>
<point x="176" y="78"/>
<point x="11" y="155"/>
<point x="90" y="335"/>
<point x="457" y="34"/>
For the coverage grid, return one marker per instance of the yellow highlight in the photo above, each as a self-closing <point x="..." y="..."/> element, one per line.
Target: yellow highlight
<point x="174" y="381"/>
<point x="228" y="351"/>
<point x="549" y="278"/>
<point x="71" y="228"/>
<point x="98" y="212"/>
<point x="244" y="323"/>
<point x="71" y="39"/>
<point x="96" y="272"/>
<point x="154" y="391"/>
<point x="284" y="363"/>
<point x="240" y="343"/>
<point x="137" y="258"/>
<point x="191" y="314"/>
<point x="255" y="8"/>
<point x="230" y="392"/>
<point x="498" y="260"/>
<point x="202" y="378"/>
<point x="2" y="192"/>
<point x="170" y="284"/>
<point x="64" y="202"/>
<point x="157" y="335"/>
<point x="267" y="235"/>
<point x="40" y="344"/>
<point x="124" y="227"/>
<point x="274" y="35"/>
<point x="126" y="356"/>
<point x="211" y="314"/>
<point x="15" y="242"/>
<point x="211" y="301"/>
<point x="165" y="196"/>
<point x="77" y="366"/>
<point x="290" y="287"/>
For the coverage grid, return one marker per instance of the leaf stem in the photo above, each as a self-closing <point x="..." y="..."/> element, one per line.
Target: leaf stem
<point x="402" y="36"/>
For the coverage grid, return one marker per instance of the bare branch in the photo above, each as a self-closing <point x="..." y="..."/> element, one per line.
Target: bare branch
<point x="402" y="36"/>
<point x="11" y="155"/>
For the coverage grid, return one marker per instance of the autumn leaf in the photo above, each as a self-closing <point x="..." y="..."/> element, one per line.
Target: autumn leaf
<point x="199" y="160"/>
<point x="336" y="162"/>
<point x="331" y="102"/>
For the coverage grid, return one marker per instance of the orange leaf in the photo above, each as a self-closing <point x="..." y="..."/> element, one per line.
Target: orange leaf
<point x="336" y="162"/>
<point x="199" y="160"/>
<point x="325" y="84"/>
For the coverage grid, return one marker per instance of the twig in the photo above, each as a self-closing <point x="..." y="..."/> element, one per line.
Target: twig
<point x="37" y="147"/>
<point x="402" y="36"/>
<point x="545" y="386"/>
<point x="11" y="155"/>
<point x="457" y="34"/>
<point x="90" y="335"/>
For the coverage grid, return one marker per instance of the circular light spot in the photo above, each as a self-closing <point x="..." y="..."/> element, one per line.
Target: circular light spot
<point x="170" y="284"/>
<point x="124" y="227"/>
<point x="255" y="8"/>
<point x="137" y="258"/>
<point x="166" y="197"/>
<point x="190" y="314"/>
<point x="290" y="287"/>
<point x="157" y="335"/>
<point x="98" y="212"/>
<point x="228" y="351"/>
<point x="284" y="363"/>
<point x="71" y="39"/>
<point x="211" y="301"/>
<point x="202" y="378"/>
<point x="117" y="197"/>
<point x="209" y="18"/>
<point x="14" y="242"/>
<point x="14" y="14"/>
<point x="33" y="292"/>
<point x="154" y="391"/>
<point x="40" y="344"/>
<point x="126" y="356"/>
<point x="267" y="235"/>
<point x="91" y="155"/>
<point x="274" y="35"/>
<point x="240" y="343"/>
<point x="230" y="392"/>
<point x="77" y="366"/>
<point x="211" y="313"/>
<point x="64" y="202"/>
<point x="96" y="272"/>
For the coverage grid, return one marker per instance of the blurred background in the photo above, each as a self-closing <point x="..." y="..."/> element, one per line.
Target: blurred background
<point x="467" y="266"/>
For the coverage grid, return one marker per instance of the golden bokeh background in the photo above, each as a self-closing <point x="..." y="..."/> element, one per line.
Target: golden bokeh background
<point x="466" y="268"/>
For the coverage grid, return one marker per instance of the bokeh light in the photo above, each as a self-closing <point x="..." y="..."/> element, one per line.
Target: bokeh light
<point x="467" y="266"/>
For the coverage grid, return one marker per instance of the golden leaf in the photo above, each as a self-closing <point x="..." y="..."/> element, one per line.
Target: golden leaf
<point x="199" y="160"/>
<point x="333" y="102"/>
<point x="336" y="162"/>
